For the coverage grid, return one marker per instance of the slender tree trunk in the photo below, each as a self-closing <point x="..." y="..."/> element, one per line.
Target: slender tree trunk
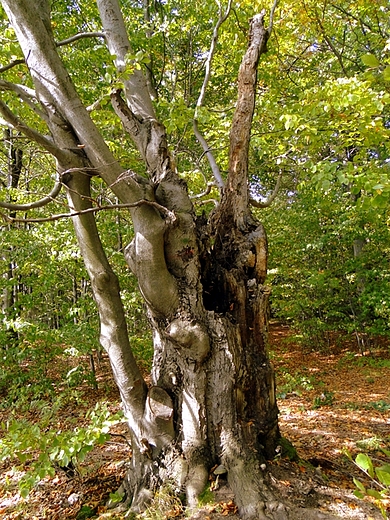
<point x="10" y="294"/>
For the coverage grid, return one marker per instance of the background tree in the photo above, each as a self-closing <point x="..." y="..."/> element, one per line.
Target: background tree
<point x="212" y="397"/>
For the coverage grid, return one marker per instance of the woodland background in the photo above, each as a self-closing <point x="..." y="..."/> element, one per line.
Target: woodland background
<point x="319" y="149"/>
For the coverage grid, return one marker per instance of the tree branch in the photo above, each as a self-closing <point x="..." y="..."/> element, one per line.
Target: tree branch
<point x="148" y="135"/>
<point x="80" y="36"/>
<point x="271" y="198"/>
<point x="22" y="91"/>
<point x="330" y="43"/>
<point x="169" y="215"/>
<point x="210" y="156"/>
<point x="28" y="95"/>
<point x="271" y="17"/>
<point x="32" y="134"/>
<point x="204" y="193"/>
<point x="213" y="164"/>
<point x="37" y="204"/>
<point x="12" y="64"/>
<point x="357" y="19"/>
<point x="149" y="68"/>
<point x="137" y="93"/>
<point x="214" y="40"/>
<point x="207" y="201"/>
<point x="71" y="39"/>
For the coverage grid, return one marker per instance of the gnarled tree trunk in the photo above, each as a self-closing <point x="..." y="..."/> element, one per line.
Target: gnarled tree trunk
<point x="212" y="398"/>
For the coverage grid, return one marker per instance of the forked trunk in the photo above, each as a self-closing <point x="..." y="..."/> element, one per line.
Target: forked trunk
<point x="212" y="398"/>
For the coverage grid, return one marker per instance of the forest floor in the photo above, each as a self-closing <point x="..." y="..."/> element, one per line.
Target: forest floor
<point x="329" y="402"/>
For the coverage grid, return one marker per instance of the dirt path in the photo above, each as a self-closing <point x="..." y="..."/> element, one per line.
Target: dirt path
<point x="328" y="403"/>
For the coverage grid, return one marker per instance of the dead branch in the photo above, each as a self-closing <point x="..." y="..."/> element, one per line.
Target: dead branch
<point x="235" y="198"/>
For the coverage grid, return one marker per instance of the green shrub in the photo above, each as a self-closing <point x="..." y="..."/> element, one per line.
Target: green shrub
<point x="46" y="449"/>
<point x="325" y="399"/>
<point x="288" y="383"/>
<point x="379" y="477"/>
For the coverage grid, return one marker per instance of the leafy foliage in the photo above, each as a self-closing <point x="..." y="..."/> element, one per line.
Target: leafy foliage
<point x="379" y="477"/>
<point x="48" y="448"/>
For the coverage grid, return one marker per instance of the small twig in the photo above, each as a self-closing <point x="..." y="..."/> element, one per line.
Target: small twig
<point x="80" y="36"/>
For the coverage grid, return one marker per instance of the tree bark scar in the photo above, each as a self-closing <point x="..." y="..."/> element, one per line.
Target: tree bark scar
<point x="258" y="35"/>
<point x="129" y="120"/>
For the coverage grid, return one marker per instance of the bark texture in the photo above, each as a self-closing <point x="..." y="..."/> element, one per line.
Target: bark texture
<point x="212" y="397"/>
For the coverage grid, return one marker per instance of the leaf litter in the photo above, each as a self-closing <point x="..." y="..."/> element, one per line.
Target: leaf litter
<point x="329" y="403"/>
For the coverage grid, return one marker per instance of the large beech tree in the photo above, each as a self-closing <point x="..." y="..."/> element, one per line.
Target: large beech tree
<point x="212" y="398"/>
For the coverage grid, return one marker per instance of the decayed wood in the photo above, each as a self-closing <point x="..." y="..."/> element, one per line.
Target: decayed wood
<point x="234" y="204"/>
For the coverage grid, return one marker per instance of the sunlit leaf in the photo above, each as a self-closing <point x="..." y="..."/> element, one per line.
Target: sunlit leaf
<point x="370" y="60"/>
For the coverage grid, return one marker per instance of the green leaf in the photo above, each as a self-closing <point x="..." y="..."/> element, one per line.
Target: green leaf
<point x="85" y="512"/>
<point x="22" y="457"/>
<point x="116" y="497"/>
<point x="24" y="492"/>
<point x="379" y="201"/>
<point x="386" y="73"/>
<point x="374" y="493"/>
<point x="383" y="474"/>
<point x="358" y="494"/>
<point x="359" y="485"/>
<point x="370" y="60"/>
<point x="365" y="463"/>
